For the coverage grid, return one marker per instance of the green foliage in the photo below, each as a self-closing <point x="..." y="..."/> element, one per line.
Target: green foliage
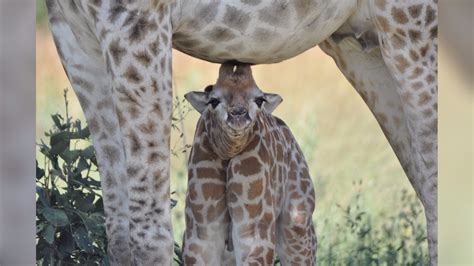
<point x="41" y="13"/>
<point x="69" y="208"/>
<point x="397" y="240"/>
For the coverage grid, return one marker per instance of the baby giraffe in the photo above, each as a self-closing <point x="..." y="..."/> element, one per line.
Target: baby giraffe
<point x="249" y="190"/>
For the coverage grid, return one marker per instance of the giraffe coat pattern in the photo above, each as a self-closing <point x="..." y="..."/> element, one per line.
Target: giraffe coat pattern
<point x="249" y="189"/>
<point x="117" y="56"/>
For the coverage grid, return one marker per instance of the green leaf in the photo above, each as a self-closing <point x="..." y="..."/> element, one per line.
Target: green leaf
<point x="48" y="234"/>
<point x="55" y="216"/>
<point x="59" y="142"/>
<point x="66" y="243"/>
<point x="70" y="156"/>
<point x="57" y="120"/>
<point x="82" y="239"/>
<point x="42" y="196"/>
<point x="39" y="172"/>
<point x="88" y="153"/>
<point x="82" y="165"/>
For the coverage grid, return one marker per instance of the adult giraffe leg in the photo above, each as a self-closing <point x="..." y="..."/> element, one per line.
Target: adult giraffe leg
<point x="121" y="72"/>
<point x="372" y="79"/>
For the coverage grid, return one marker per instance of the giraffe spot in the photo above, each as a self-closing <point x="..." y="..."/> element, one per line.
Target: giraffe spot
<point x="140" y="29"/>
<point x="143" y="58"/>
<point x="434" y="32"/>
<point x="189" y="260"/>
<point x="416" y="73"/>
<point x="415" y="10"/>
<point x="148" y="128"/>
<point x="427" y="113"/>
<point x="154" y="49"/>
<point x="402" y="63"/>
<point x="220" y="34"/>
<point x="154" y="157"/>
<point x="132" y="75"/>
<point x="414" y="35"/>
<point x="302" y="7"/>
<point x="111" y="153"/>
<point x="236" y="19"/>
<point x="117" y="51"/>
<point x="135" y="144"/>
<point x="424" y="98"/>
<point x="414" y="55"/>
<point x="254" y="210"/>
<point x="399" y="15"/>
<point x="424" y="50"/>
<point x="206" y="172"/>
<point x="85" y="103"/>
<point x="213" y="191"/>
<point x="274" y="14"/>
<point x="430" y="15"/>
<point x="430" y="79"/>
<point x="246" y="230"/>
<point x="115" y="12"/>
<point x="84" y="84"/>
<point x="251" y="2"/>
<point x="417" y="85"/>
<point x="249" y="166"/>
<point x="255" y="190"/>
<point x="257" y="252"/>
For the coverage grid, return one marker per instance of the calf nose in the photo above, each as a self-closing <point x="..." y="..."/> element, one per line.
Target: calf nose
<point x="238" y="111"/>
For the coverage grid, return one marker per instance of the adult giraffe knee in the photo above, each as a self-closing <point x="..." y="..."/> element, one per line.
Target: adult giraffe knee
<point x="118" y="59"/>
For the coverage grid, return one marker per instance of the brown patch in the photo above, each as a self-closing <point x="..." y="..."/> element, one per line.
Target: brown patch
<point x="254" y="209"/>
<point x="135" y="144"/>
<point x="116" y="51"/>
<point x="402" y="63"/>
<point x="434" y="32"/>
<point x="143" y="58"/>
<point x="399" y="15"/>
<point x="248" y="167"/>
<point x="430" y="15"/>
<point x="206" y="172"/>
<point x="414" y="55"/>
<point x="115" y="12"/>
<point x="111" y="153"/>
<point x="132" y="75"/>
<point x="220" y="34"/>
<point x="236" y="19"/>
<point x="213" y="191"/>
<point x="274" y="14"/>
<point x="255" y="190"/>
<point x="424" y="50"/>
<point x="415" y="10"/>
<point x="416" y="73"/>
<point x="84" y="84"/>
<point x="140" y="29"/>
<point x="424" y="98"/>
<point x="430" y="79"/>
<point x="415" y="35"/>
<point x="148" y="128"/>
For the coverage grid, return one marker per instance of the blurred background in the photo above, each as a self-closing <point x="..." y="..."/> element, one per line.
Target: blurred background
<point x="363" y="196"/>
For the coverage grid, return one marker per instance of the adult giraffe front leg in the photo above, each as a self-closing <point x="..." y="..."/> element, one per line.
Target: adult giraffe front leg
<point x="118" y="59"/>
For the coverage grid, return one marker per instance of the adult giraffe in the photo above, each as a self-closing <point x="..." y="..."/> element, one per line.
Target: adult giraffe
<point x="117" y="56"/>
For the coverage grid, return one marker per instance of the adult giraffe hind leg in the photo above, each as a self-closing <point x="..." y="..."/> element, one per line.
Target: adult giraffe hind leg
<point x="121" y="73"/>
<point x="409" y="43"/>
<point x="369" y="75"/>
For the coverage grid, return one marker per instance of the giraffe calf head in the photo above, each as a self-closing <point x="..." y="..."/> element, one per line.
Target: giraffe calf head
<point x="235" y="101"/>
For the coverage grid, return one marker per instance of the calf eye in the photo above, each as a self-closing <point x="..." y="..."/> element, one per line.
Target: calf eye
<point x="214" y="102"/>
<point x="259" y="101"/>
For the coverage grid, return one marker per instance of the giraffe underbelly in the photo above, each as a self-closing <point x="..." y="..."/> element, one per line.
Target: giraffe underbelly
<point x="255" y="31"/>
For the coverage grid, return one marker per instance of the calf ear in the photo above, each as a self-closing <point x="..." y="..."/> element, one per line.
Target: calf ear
<point x="198" y="100"/>
<point x="272" y="101"/>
